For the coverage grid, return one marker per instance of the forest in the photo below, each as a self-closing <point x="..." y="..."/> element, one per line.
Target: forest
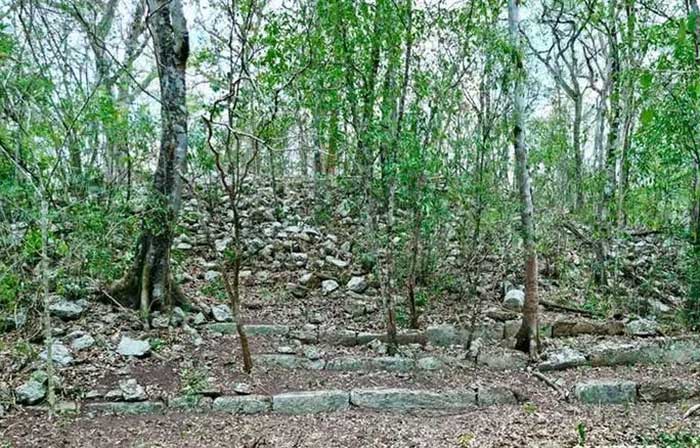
<point x="349" y="223"/>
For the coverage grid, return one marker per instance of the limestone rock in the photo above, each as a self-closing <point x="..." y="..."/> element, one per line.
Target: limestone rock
<point x="443" y="335"/>
<point x="337" y="262"/>
<point x="30" y="392"/>
<point x="357" y="284"/>
<point x="66" y="310"/>
<point x="59" y="354"/>
<point x="328" y="286"/>
<point x="243" y="404"/>
<point x="564" y="358"/>
<point x="495" y="395"/>
<point x="132" y="391"/>
<point x="311" y="402"/>
<point x="133" y="347"/>
<point x="606" y="391"/>
<point x="406" y="399"/>
<point x="514" y="300"/>
<point x="503" y="359"/>
<point x="82" y="343"/>
<point x="222" y="313"/>
<point x="642" y="327"/>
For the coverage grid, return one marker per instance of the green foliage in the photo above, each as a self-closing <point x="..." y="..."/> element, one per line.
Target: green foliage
<point x="215" y="288"/>
<point x="193" y="380"/>
<point x="157" y="344"/>
<point x="692" y="305"/>
<point x="676" y="440"/>
<point x="10" y="287"/>
<point x="581" y="432"/>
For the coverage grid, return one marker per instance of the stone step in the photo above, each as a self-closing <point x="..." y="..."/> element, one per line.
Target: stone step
<point x="620" y="391"/>
<point x="668" y="351"/>
<point x="442" y="335"/>
<point x="319" y="401"/>
<point x="605" y="391"/>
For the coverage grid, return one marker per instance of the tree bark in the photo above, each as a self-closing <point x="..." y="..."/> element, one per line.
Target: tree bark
<point x="608" y="191"/>
<point x="578" y="152"/>
<point x="149" y="283"/>
<point x="528" y="335"/>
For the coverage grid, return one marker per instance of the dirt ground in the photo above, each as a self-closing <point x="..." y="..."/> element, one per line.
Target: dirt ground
<point x="529" y="425"/>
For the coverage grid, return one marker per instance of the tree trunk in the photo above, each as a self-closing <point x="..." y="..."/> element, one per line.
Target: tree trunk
<point x="528" y="335"/>
<point x="332" y="144"/>
<point x="578" y="152"/>
<point x="149" y="282"/>
<point x="612" y="144"/>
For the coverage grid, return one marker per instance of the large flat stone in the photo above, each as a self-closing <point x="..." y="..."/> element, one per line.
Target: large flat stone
<point x="311" y="402"/>
<point x="346" y="338"/>
<point x="495" y="395"/>
<point x="503" y="359"/>
<point x="243" y="404"/>
<point x="606" y="391"/>
<point x="65" y="309"/>
<point x="662" y="351"/>
<point x="59" y="354"/>
<point x="668" y="390"/>
<point x="133" y="347"/>
<point x="405" y="399"/>
<point x="561" y="359"/>
<point x="190" y="403"/>
<point x="443" y="335"/>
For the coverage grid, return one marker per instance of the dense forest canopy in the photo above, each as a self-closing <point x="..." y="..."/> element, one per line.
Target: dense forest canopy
<point x="478" y="145"/>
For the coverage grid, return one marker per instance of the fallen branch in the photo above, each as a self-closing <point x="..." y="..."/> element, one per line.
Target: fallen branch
<point x="691" y="411"/>
<point x="577" y="233"/>
<point x="549" y="382"/>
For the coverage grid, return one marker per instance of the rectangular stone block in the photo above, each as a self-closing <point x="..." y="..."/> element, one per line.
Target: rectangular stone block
<point x="346" y="338"/>
<point x="311" y="402"/>
<point x="243" y="404"/>
<point x="495" y="395"/>
<point x="606" y="391"/>
<point x="190" y="403"/>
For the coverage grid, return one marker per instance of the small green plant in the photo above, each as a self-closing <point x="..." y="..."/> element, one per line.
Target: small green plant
<point x="581" y="432"/>
<point x="529" y="408"/>
<point x="193" y="380"/>
<point x="215" y="288"/>
<point x="157" y="344"/>
<point x="322" y="215"/>
<point x="367" y="260"/>
<point x="401" y="317"/>
<point x="465" y="440"/>
<point x="677" y="440"/>
<point x="421" y="299"/>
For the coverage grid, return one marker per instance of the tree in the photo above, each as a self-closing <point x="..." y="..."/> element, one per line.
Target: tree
<point x="528" y="335"/>
<point x="605" y="205"/>
<point x="150" y="282"/>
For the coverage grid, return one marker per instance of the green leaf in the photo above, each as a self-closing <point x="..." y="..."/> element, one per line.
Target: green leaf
<point x="647" y="116"/>
<point x="682" y="30"/>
